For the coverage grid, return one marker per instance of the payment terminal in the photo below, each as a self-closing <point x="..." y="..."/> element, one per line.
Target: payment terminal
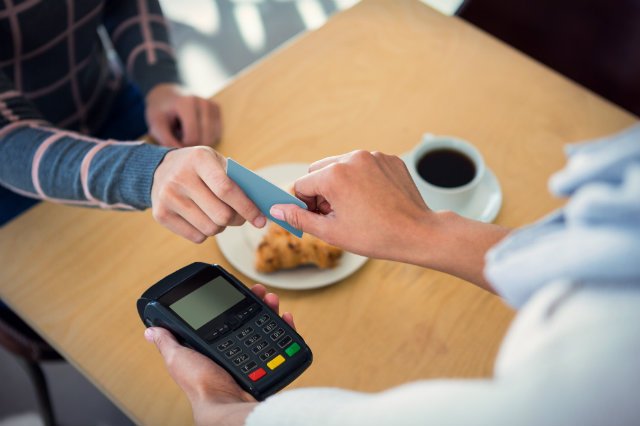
<point x="209" y="310"/>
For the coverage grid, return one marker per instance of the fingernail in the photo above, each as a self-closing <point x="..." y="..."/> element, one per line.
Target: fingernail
<point x="148" y="334"/>
<point x="260" y="221"/>
<point x="277" y="213"/>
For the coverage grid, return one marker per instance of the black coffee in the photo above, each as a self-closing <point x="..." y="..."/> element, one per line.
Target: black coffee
<point x="447" y="168"/>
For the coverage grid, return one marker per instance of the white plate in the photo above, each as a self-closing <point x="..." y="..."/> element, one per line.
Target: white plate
<point x="486" y="201"/>
<point x="238" y="244"/>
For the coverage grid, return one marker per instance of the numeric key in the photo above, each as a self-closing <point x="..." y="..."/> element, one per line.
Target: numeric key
<point x="262" y="320"/>
<point x="276" y="334"/>
<point x="233" y="351"/>
<point x="260" y="346"/>
<point x="244" y="333"/>
<point x="225" y="345"/>
<point x="267" y="328"/>
<point x="240" y="359"/>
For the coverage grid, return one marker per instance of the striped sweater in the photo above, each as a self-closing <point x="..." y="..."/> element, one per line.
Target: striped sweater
<point x="57" y="86"/>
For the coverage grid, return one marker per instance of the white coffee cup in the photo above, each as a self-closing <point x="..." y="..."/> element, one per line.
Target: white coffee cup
<point x="444" y="198"/>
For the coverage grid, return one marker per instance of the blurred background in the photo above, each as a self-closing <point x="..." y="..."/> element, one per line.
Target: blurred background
<point x="214" y="40"/>
<point x="217" y="39"/>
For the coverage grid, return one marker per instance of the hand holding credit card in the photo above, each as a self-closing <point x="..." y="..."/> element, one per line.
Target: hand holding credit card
<point x="263" y="193"/>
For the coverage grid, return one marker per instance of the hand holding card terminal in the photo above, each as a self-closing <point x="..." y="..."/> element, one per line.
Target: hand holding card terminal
<point x="212" y="312"/>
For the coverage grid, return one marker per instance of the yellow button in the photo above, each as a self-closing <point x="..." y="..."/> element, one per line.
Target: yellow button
<point x="274" y="363"/>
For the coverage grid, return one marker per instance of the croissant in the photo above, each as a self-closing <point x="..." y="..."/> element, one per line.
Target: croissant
<point x="280" y="249"/>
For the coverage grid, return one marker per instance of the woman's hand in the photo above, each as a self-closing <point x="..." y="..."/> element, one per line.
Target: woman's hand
<point x="176" y="119"/>
<point x="366" y="203"/>
<point x="193" y="196"/>
<point x="216" y="399"/>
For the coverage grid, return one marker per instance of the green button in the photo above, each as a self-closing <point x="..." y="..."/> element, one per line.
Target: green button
<point x="293" y="349"/>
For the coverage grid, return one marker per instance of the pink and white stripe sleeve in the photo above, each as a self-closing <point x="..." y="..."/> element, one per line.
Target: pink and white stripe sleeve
<point x="39" y="161"/>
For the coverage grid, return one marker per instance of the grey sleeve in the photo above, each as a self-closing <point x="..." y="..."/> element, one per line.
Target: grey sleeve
<point x="42" y="162"/>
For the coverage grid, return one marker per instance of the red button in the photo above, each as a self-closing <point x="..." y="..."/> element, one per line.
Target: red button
<point x="258" y="374"/>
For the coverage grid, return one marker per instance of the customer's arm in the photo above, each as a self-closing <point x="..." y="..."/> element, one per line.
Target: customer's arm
<point x="139" y="33"/>
<point x="188" y="188"/>
<point x="367" y="203"/>
<point x="40" y="161"/>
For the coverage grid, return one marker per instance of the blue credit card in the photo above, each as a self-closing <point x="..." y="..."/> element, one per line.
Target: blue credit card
<point x="263" y="193"/>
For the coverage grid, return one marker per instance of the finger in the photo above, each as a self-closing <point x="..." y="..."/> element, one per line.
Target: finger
<point x="206" y="125"/>
<point x="259" y="290"/>
<point x="187" y="112"/>
<point x="300" y="218"/>
<point x="310" y="188"/>
<point x="192" y="213"/>
<point x="178" y="225"/>
<point x="237" y="220"/>
<point x="320" y="164"/>
<point x="160" y="127"/>
<point x="314" y="183"/>
<point x="324" y="207"/>
<point x="181" y="362"/>
<point x="217" y="211"/>
<point x="164" y="341"/>
<point x="231" y="194"/>
<point x="288" y="318"/>
<point x="272" y="301"/>
<point x="316" y="204"/>
<point x="312" y="202"/>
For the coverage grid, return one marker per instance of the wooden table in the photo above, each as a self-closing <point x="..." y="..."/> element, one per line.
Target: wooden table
<point x="375" y="77"/>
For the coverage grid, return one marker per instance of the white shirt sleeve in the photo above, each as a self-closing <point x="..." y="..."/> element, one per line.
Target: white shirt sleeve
<point x="569" y="359"/>
<point x="417" y="403"/>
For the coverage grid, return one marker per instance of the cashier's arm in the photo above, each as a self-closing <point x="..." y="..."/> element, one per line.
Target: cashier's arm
<point x="216" y="399"/>
<point x="368" y="204"/>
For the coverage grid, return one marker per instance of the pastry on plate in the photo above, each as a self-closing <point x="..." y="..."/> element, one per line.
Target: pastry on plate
<point x="280" y="249"/>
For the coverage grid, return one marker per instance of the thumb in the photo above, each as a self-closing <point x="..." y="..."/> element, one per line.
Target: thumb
<point x="300" y="218"/>
<point x="164" y="341"/>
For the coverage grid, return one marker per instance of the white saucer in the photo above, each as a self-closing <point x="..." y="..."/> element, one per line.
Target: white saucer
<point x="486" y="201"/>
<point x="238" y="244"/>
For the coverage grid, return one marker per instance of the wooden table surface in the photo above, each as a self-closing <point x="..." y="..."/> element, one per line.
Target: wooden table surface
<point x="374" y="77"/>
